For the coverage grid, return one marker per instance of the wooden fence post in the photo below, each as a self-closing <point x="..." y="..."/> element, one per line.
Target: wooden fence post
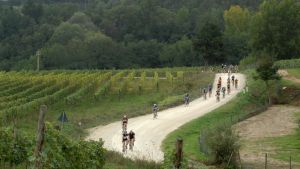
<point x="290" y="162"/>
<point x="266" y="161"/>
<point x="241" y="166"/>
<point x="40" y="136"/>
<point x="179" y="154"/>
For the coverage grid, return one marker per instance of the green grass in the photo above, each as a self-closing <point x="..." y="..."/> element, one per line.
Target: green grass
<point x="111" y="108"/>
<point x="294" y="72"/>
<point x="115" y="160"/>
<point x="286" y="146"/>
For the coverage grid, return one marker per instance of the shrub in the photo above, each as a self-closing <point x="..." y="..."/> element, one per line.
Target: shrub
<point x="223" y="145"/>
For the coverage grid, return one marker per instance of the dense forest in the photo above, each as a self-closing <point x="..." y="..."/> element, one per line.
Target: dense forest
<point x="104" y="34"/>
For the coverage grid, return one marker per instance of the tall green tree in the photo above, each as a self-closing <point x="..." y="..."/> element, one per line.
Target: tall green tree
<point x="209" y="43"/>
<point x="33" y="9"/>
<point x="180" y="53"/>
<point x="276" y="28"/>
<point x="236" y="34"/>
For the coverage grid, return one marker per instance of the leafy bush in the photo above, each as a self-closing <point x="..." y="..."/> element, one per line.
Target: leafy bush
<point x="14" y="149"/>
<point x="61" y="152"/>
<point x="223" y="145"/>
<point x="248" y="62"/>
<point x="58" y="151"/>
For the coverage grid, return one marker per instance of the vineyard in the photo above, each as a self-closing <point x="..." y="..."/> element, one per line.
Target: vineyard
<point x="21" y="93"/>
<point x="91" y="97"/>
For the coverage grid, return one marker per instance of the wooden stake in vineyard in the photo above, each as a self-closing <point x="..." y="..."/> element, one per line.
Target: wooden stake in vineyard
<point x="38" y="55"/>
<point x="40" y="137"/>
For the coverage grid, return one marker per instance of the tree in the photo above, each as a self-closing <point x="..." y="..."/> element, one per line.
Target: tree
<point x="181" y="53"/>
<point x="66" y="32"/>
<point x="276" y="28"/>
<point x="237" y="20"/>
<point x="209" y="43"/>
<point x="83" y="20"/>
<point x="33" y="10"/>
<point x="236" y="34"/>
<point x="267" y="71"/>
<point x="145" y="53"/>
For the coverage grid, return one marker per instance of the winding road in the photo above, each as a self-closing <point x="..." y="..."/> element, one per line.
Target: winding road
<point x="150" y="133"/>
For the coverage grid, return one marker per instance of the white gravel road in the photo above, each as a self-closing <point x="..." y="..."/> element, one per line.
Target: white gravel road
<point x="150" y="133"/>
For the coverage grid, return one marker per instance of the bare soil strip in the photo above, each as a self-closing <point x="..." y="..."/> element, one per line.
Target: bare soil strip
<point x="275" y="122"/>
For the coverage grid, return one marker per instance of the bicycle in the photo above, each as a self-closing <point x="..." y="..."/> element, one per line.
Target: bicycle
<point x="131" y="144"/>
<point x="124" y="127"/>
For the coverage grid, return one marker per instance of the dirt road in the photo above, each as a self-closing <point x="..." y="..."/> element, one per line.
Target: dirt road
<point x="150" y="133"/>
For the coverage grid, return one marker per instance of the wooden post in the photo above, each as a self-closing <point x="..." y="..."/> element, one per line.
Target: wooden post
<point x="15" y="125"/>
<point x="119" y="94"/>
<point x="266" y="161"/>
<point x="179" y="154"/>
<point x="38" y="53"/>
<point x="290" y="162"/>
<point x="230" y="158"/>
<point x="240" y="160"/>
<point x="140" y="89"/>
<point x="40" y="136"/>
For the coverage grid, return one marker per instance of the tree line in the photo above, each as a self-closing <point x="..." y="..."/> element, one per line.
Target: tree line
<point x="113" y="34"/>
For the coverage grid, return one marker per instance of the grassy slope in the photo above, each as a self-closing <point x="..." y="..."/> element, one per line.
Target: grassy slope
<point x="294" y="72"/>
<point x="238" y="108"/>
<point x="289" y="145"/>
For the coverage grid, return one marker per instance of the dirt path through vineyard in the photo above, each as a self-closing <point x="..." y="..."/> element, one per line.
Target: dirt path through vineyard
<point x="150" y="133"/>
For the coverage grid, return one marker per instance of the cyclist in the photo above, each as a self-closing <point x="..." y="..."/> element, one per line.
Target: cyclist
<point x="218" y="95"/>
<point x="232" y="79"/>
<point x="236" y="83"/>
<point x="124" y="122"/>
<point x="187" y="99"/>
<point x="131" y="139"/>
<point x="219" y="83"/>
<point x="236" y="68"/>
<point x="209" y="90"/>
<point x="124" y="141"/>
<point x="204" y="91"/>
<point x="155" y="110"/>
<point x="223" y="91"/>
<point x="228" y="88"/>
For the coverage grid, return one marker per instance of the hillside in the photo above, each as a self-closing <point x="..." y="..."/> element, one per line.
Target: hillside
<point x="97" y="34"/>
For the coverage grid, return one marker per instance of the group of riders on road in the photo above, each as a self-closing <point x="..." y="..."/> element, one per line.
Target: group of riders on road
<point x="234" y="81"/>
<point x="129" y="138"/>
